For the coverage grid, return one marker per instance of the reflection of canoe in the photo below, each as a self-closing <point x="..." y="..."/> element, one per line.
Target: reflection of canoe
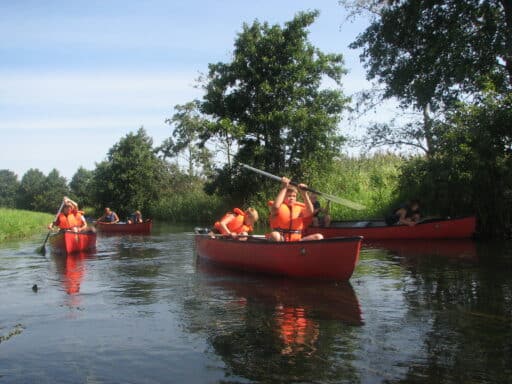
<point x="71" y="242"/>
<point x="449" y="248"/>
<point x="144" y="227"/>
<point x="72" y="270"/>
<point x="333" y="259"/>
<point x="459" y="228"/>
<point x="318" y="299"/>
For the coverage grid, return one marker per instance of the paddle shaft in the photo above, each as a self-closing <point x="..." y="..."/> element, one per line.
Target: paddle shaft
<point x="326" y="196"/>
<point x="50" y="231"/>
<point x="271" y="176"/>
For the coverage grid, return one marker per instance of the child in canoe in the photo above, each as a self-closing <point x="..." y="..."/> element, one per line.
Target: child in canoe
<point x="236" y="223"/>
<point x="288" y="217"/>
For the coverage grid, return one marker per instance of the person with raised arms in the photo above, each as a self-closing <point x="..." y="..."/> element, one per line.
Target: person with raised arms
<point x="289" y="217"/>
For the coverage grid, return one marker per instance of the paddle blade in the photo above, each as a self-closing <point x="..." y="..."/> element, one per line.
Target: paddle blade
<point x="342" y="201"/>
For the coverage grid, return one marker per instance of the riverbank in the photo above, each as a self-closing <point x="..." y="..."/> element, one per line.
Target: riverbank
<point x="19" y="224"/>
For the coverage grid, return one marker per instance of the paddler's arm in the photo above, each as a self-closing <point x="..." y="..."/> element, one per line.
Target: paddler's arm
<point x="307" y="200"/>
<point x="285" y="182"/>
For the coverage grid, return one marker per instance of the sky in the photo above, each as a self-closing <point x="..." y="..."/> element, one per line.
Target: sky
<point x="77" y="76"/>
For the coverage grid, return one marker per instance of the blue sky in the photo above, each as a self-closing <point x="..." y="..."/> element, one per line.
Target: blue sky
<point x="76" y="76"/>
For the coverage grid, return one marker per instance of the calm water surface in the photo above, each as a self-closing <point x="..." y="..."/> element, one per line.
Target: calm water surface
<point x="141" y="309"/>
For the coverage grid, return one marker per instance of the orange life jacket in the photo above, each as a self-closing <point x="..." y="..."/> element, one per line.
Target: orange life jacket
<point x="236" y="224"/>
<point x="71" y="220"/>
<point x="289" y="220"/>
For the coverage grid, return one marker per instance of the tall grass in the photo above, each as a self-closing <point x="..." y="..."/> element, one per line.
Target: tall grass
<point x="192" y="207"/>
<point x="371" y="181"/>
<point x="17" y="224"/>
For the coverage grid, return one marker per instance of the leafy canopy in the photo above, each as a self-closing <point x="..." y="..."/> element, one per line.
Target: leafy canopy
<point x="272" y="100"/>
<point x="439" y="50"/>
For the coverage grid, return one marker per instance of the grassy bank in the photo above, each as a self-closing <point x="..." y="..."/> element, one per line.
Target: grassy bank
<point x="17" y="224"/>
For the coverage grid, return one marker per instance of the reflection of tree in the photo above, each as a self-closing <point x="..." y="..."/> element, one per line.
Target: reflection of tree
<point x="471" y="310"/>
<point x="138" y="273"/>
<point x="273" y="330"/>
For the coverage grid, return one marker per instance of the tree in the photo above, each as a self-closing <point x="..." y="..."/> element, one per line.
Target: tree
<point x="132" y="176"/>
<point x="189" y="125"/>
<point x="9" y="185"/>
<point x="271" y="101"/>
<point x="55" y="187"/>
<point x="435" y="52"/>
<point x="31" y="186"/>
<point x="81" y="186"/>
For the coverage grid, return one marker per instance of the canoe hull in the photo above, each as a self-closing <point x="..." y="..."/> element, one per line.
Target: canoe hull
<point x="333" y="259"/>
<point x="70" y="242"/>
<point x="143" y="228"/>
<point x="459" y="228"/>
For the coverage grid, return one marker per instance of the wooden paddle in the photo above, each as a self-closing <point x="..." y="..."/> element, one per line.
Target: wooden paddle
<point x="332" y="198"/>
<point x="42" y="250"/>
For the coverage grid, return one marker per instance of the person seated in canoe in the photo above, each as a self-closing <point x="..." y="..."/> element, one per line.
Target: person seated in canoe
<point x="288" y="217"/>
<point x="108" y="217"/>
<point x="406" y="214"/>
<point x="70" y="218"/>
<point x="321" y="217"/>
<point x="236" y="223"/>
<point x="135" y="218"/>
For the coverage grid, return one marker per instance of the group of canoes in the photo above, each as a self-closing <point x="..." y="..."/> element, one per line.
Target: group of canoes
<point x="75" y="235"/>
<point x="294" y="247"/>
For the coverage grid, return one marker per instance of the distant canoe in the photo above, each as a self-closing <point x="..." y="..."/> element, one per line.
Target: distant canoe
<point x="457" y="228"/>
<point x="68" y="242"/>
<point x="143" y="228"/>
<point x="332" y="259"/>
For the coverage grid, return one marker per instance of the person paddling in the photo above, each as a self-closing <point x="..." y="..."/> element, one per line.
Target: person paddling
<point x="70" y="218"/>
<point x="109" y="217"/>
<point x="288" y="217"/>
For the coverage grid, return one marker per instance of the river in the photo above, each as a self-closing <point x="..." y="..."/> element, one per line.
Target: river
<point x="142" y="309"/>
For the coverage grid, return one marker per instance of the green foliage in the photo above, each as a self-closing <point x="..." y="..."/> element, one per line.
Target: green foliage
<point x="132" y="177"/>
<point x="31" y="186"/>
<point x="16" y="224"/>
<point x="55" y="187"/>
<point x="81" y="186"/>
<point x="9" y="185"/>
<point x="435" y="51"/>
<point x="371" y="181"/>
<point x="189" y="125"/>
<point x="472" y="171"/>
<point x="271" y="101"/>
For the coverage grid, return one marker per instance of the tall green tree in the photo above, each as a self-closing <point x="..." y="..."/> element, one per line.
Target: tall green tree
<point x="81" y="186"/>
<point x="188" y="126"/>
<point x="272" y="100"/>
<point x="31" y="186"/>
<point x="434" y="52"/>
<point x="55" y="187"/>
<point x="9" y="185"/>
<point x="132" y="176"/>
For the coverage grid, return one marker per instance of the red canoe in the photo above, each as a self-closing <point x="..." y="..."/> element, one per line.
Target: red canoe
<point x="458" y="228"/>
<point x="144" y="227"/>
<point x="72" y="242"/>
<point x="333" y="259"/>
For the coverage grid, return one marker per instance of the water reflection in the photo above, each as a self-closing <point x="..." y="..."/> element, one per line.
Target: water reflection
<point x="71" y="269"/>
<point x="457" y="248"/>
<point x="268" y="328"/>
<point x="464" y="299"/>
